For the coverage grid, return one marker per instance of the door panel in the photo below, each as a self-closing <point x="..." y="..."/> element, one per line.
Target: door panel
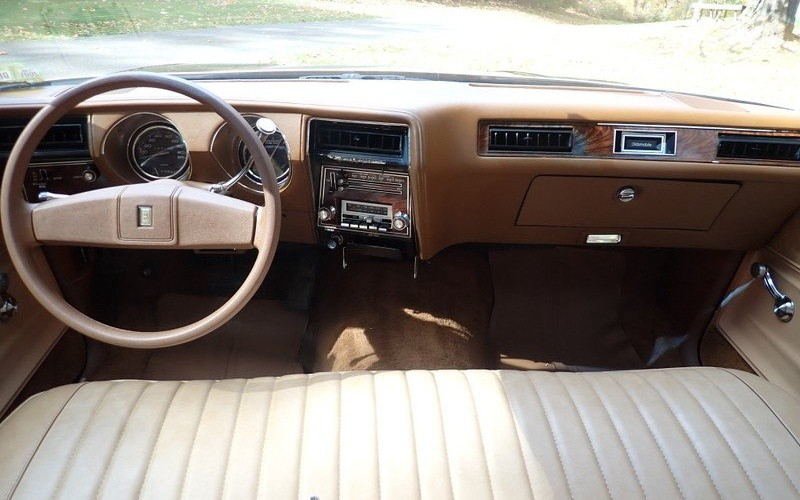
<point x="771" y="347"/>
<point x="25" y="339"/>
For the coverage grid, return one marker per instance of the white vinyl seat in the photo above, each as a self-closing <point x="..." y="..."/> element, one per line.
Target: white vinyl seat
<point x="678" y="433"/>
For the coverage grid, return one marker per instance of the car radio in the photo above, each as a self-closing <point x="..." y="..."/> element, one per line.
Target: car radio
<point x="364" y="201"/>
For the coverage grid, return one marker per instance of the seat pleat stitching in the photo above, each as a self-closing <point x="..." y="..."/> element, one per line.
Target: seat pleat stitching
<point x="377" y="436"/>
<point x="413" y="433"/>
<point x="516" y="432"/>
<point x="260" y="465"/>
<point x="551" y="432"/>
<point x="194" y="439"/>
<point x="588" y="435"/>
<point x="617" y="433"/>
<point x="302" y="438"/>
<point x="480" y="432"/>
<point x="719" y="431"/>
<point x="158" y="437"/>
<point x="754" y="428"/>
<point x="231" y="439"/>
<point x="653" y="435"/>
<point x="685" y="433"/>
<point x="107" y="468"/>
<point x="778" y="417"/>
<point x="444" y="435"/>
<point x="39" y="444"/>
<point x="81" y="436"/>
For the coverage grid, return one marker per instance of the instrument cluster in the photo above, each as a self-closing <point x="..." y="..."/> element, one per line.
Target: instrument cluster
<point x="154" y="147"/>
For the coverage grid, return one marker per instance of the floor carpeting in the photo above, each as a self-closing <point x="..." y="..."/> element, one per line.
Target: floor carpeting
<point x="581" y="309"/>
<point x="375" y="316"/>
<point x="715" y="350"/>
<point x="262" y="340"/>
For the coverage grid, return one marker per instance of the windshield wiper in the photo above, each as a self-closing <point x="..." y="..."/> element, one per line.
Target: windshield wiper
<point x="44" y="83"/>
<point x="18" y="85"/>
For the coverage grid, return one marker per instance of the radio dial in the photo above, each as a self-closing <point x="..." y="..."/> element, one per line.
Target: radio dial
<point x="326" y="214"/>
<point x="400" y="221"/>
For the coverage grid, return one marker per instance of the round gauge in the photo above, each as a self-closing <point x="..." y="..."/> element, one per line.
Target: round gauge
<point x="277" y="149"/>
<point x="159" y="152"/>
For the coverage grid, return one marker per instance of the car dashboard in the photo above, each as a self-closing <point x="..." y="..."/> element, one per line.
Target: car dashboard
<point x="408" y="168"/>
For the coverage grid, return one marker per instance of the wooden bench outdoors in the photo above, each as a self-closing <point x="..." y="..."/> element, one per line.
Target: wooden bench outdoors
<point x="715" y="10"/>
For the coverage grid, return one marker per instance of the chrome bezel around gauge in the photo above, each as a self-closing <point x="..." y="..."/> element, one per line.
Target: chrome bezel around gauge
<point x="226" y="149"/>
<point x="136" y="137"/>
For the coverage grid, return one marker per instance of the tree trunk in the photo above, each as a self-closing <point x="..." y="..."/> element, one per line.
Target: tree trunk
<point x="776" y="17"/>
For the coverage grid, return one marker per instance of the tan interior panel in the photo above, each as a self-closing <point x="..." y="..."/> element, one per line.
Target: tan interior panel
<point x="594" y="202"/>
<point x="748" y="322"/>
<point x="25" y="339"/>
<point x="770" y="346"/>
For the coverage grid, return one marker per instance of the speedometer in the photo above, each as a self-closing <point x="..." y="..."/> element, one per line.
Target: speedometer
<point x="159" y="152"/>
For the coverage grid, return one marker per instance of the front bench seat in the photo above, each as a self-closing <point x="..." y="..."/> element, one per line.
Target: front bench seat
<point x="691" y="433"/>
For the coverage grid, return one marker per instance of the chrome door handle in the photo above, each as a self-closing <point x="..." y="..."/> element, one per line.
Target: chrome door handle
<point x="784" y="306"/>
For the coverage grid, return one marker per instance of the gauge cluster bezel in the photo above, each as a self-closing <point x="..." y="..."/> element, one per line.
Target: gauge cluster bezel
<point x="226" y="149"/>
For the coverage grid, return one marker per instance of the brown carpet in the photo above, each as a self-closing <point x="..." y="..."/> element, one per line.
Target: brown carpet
<point x="375" y="316"/>
<point x="715" y="350"/>
<point x="580" y="309"/>
<point x="262" y="340"/>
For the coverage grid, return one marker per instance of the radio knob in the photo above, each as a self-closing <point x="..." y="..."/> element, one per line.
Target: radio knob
<point x="400" y="221"/>
<point x="326" y="214"/>
<point x="89" y="175"/>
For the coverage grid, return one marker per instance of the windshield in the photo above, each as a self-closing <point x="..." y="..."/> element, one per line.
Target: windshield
<point x="727" y="49"/>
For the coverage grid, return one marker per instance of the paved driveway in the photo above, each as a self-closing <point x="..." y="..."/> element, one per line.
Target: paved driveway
<point x="64" y="58"/>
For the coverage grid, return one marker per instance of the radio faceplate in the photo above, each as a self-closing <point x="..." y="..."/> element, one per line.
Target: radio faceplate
<point x="364" y="201"/>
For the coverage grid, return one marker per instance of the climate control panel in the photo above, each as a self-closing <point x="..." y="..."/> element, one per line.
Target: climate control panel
<point x="364" y="201"/>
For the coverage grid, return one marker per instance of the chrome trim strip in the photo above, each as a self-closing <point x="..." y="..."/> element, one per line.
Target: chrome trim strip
<point x="701" y="127"/>
<point x="603" y="239"/>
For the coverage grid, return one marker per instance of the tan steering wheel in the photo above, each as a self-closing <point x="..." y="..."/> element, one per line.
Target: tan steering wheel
<point x="159" y="214"/>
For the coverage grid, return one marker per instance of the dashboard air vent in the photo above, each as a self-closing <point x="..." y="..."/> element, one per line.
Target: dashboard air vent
<point x="754" y="147"/>
<point x="67" y="136"/>
<point x="503" y="139"/>
<point x="361" y="138"/>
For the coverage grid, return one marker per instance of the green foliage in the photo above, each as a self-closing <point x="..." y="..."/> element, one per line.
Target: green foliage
<point x="598" y="10"/>
<point x="28" y="19"/>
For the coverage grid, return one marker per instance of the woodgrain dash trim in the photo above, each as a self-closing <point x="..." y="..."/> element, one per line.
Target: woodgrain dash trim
<point x="596" y="140"/>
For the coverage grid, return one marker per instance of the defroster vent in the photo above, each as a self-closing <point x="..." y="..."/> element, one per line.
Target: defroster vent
<point x="512" y="139"/>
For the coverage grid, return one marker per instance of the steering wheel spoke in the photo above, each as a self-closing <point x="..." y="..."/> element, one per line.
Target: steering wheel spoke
<point x="164" y="213"/>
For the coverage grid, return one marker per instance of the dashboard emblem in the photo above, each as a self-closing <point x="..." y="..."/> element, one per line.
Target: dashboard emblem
<point x="144" y="216"/>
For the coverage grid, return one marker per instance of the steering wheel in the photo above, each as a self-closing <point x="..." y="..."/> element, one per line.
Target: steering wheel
<point x="159" y="214"/>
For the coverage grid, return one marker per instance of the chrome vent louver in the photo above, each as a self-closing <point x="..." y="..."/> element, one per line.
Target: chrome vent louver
<point x="754" y="147"/>
<point x="360" y="138"/>
<point x="523" y="139"/>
